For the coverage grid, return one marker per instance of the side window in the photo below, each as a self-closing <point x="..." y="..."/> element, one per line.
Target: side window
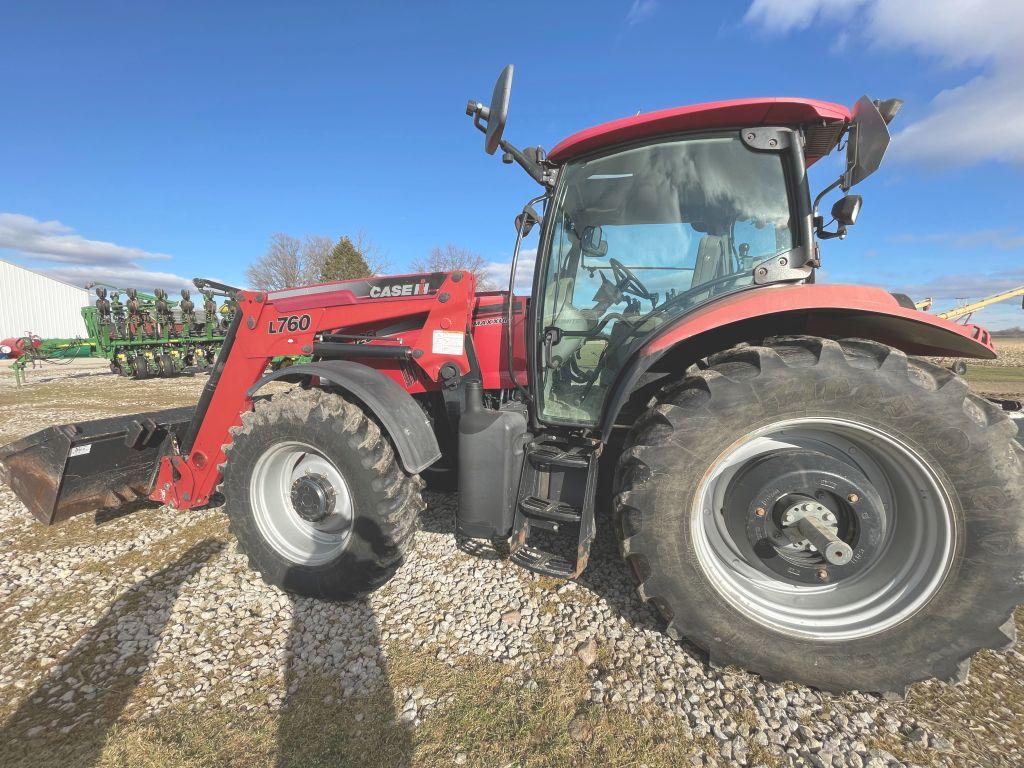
<point x="756" y="241"/>
<point x="677" y="223"/>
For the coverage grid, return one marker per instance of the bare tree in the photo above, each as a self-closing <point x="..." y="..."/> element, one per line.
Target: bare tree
<point x="315" y="250"/>
<point x="451" y="258"/>
<point x="279" y="267"/>
<point x="289" y="262"/>
<point x="375" y="258"/>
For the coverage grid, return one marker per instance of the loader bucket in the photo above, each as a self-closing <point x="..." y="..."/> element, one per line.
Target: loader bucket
<point x="64" y="471"/>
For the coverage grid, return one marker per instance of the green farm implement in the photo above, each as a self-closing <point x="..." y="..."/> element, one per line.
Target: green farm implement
<point x="145" y="335"/>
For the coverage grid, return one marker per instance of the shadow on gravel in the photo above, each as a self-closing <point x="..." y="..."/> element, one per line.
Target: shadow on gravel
<point x="105" y="516"/>
<point x="338" y="708"/>
<point x="65" y="720"/>
<point x="606" y="575"/>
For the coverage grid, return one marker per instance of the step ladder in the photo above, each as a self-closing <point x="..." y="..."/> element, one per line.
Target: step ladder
<point x="554" y="520"/>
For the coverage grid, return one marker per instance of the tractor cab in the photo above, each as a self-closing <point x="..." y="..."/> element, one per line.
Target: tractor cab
<point x="649" y="217"/>
<point x="640" y="235"/>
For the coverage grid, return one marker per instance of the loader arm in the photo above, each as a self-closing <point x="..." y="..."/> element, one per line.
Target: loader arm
<point x="435" y="309"/>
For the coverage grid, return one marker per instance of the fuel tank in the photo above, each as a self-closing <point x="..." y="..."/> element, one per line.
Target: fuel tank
<point x="490" y="464"/>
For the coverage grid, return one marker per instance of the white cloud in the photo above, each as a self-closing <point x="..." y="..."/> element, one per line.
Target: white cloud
<point x="82" y="260"/>
<point x="130" y="276"/>
<point x="980" y="119"/>
<point x="497" y="272"/>
<point x="970" y="286"/>
<point x="53" y="241"/>
<point x="783" y="16"/>
<point x="640" y="10"/>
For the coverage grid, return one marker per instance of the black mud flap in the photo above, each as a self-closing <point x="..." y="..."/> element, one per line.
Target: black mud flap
<point x="64" y="471"/>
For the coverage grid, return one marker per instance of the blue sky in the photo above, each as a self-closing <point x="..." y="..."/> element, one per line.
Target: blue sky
<point x="146" y="140"/>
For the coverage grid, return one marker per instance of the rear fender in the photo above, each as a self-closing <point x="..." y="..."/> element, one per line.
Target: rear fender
<point x="398" y="413"/>
<point x="836" y="311"/>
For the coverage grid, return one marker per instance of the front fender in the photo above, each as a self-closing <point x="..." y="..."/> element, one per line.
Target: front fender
<point x="395" y="409"/>
<point x="836" y="311"/>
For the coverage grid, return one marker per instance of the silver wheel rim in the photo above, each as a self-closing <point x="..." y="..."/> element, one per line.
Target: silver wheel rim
<point x="912" y="562"/>
<point x="291" y="536"/>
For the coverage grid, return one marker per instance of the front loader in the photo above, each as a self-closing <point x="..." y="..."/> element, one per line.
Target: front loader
<point x="795" y="488"/>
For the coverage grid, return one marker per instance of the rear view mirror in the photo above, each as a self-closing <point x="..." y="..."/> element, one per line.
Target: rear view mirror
<point x="846" y="210"/>
<point x="491" y="119"/>
<point x="526" y="220"/>
<point x="868" y="138"/>
<point x="593" y="243"/>
<point x="498" y="110"/>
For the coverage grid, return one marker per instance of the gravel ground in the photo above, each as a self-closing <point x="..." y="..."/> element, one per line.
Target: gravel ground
<point x="114" y="620"/>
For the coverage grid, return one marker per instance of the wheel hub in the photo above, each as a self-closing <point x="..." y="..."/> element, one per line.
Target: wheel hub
<point x="814" y="527"/>
<point x="805" y="516"/>
<point x="312" y="497"/>
<point x="890" y="507"/>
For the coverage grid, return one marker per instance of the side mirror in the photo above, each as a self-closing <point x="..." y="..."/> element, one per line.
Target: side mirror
<point x="593" y="243"/>
<point x="868" y="138"/>
<point x="526" y="220"/>
<point x="499" y="110"/>
<point x="846" y="210"/>
<point x="493" y="117"/>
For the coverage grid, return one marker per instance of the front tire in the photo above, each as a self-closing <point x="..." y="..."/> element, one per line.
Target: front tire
<point x="918" y="482"/>
<point x="316" y="498"/>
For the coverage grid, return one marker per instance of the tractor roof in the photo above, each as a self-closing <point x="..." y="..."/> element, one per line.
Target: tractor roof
<point x="827" y="121"/>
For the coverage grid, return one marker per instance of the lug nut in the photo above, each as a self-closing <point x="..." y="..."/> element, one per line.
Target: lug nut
<point x="823" y="574"/>
<point x="853" y="498"/>
<point x="760" y="512"/>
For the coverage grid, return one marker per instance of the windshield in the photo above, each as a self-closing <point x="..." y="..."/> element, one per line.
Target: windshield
<point x="639" y="237"/>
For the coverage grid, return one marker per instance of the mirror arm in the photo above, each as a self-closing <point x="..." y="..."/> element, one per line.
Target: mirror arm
<point x="824" y="192"/>
<point x="823" y="234"/>
<point x="819" y="220"/>
<point x="542" y="175"/>
<point x="478" y="112"/>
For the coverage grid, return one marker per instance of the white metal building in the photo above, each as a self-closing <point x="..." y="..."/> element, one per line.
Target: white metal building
<point x="31" y="302"/>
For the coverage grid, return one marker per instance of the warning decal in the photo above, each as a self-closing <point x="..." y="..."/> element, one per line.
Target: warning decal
<point x="448" y="343"/>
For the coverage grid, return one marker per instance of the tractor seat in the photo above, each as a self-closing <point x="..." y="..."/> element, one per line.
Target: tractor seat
<point x="712" y="259"/>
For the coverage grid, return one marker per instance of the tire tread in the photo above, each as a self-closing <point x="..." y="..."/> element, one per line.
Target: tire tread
<point x="696" y="395"/>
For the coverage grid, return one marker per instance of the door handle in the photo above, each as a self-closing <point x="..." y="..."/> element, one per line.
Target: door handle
<point x="552" y="335"/>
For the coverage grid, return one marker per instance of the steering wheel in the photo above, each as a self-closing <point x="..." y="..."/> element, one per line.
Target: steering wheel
<point x="625" y="280"/>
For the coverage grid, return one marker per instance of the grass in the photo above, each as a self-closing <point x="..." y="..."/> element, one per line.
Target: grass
<point x="486" y="715"/>
<point x="993" y="374"/>
<point x="494" y="715"/>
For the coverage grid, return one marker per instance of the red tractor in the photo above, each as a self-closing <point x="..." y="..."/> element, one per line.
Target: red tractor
<point x="795" y="489"/>
<point x="15" y="347"/>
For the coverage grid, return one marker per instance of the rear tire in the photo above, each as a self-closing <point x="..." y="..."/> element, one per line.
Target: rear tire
<point x="936" y="578"/>
<point x="355" y="531"/>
